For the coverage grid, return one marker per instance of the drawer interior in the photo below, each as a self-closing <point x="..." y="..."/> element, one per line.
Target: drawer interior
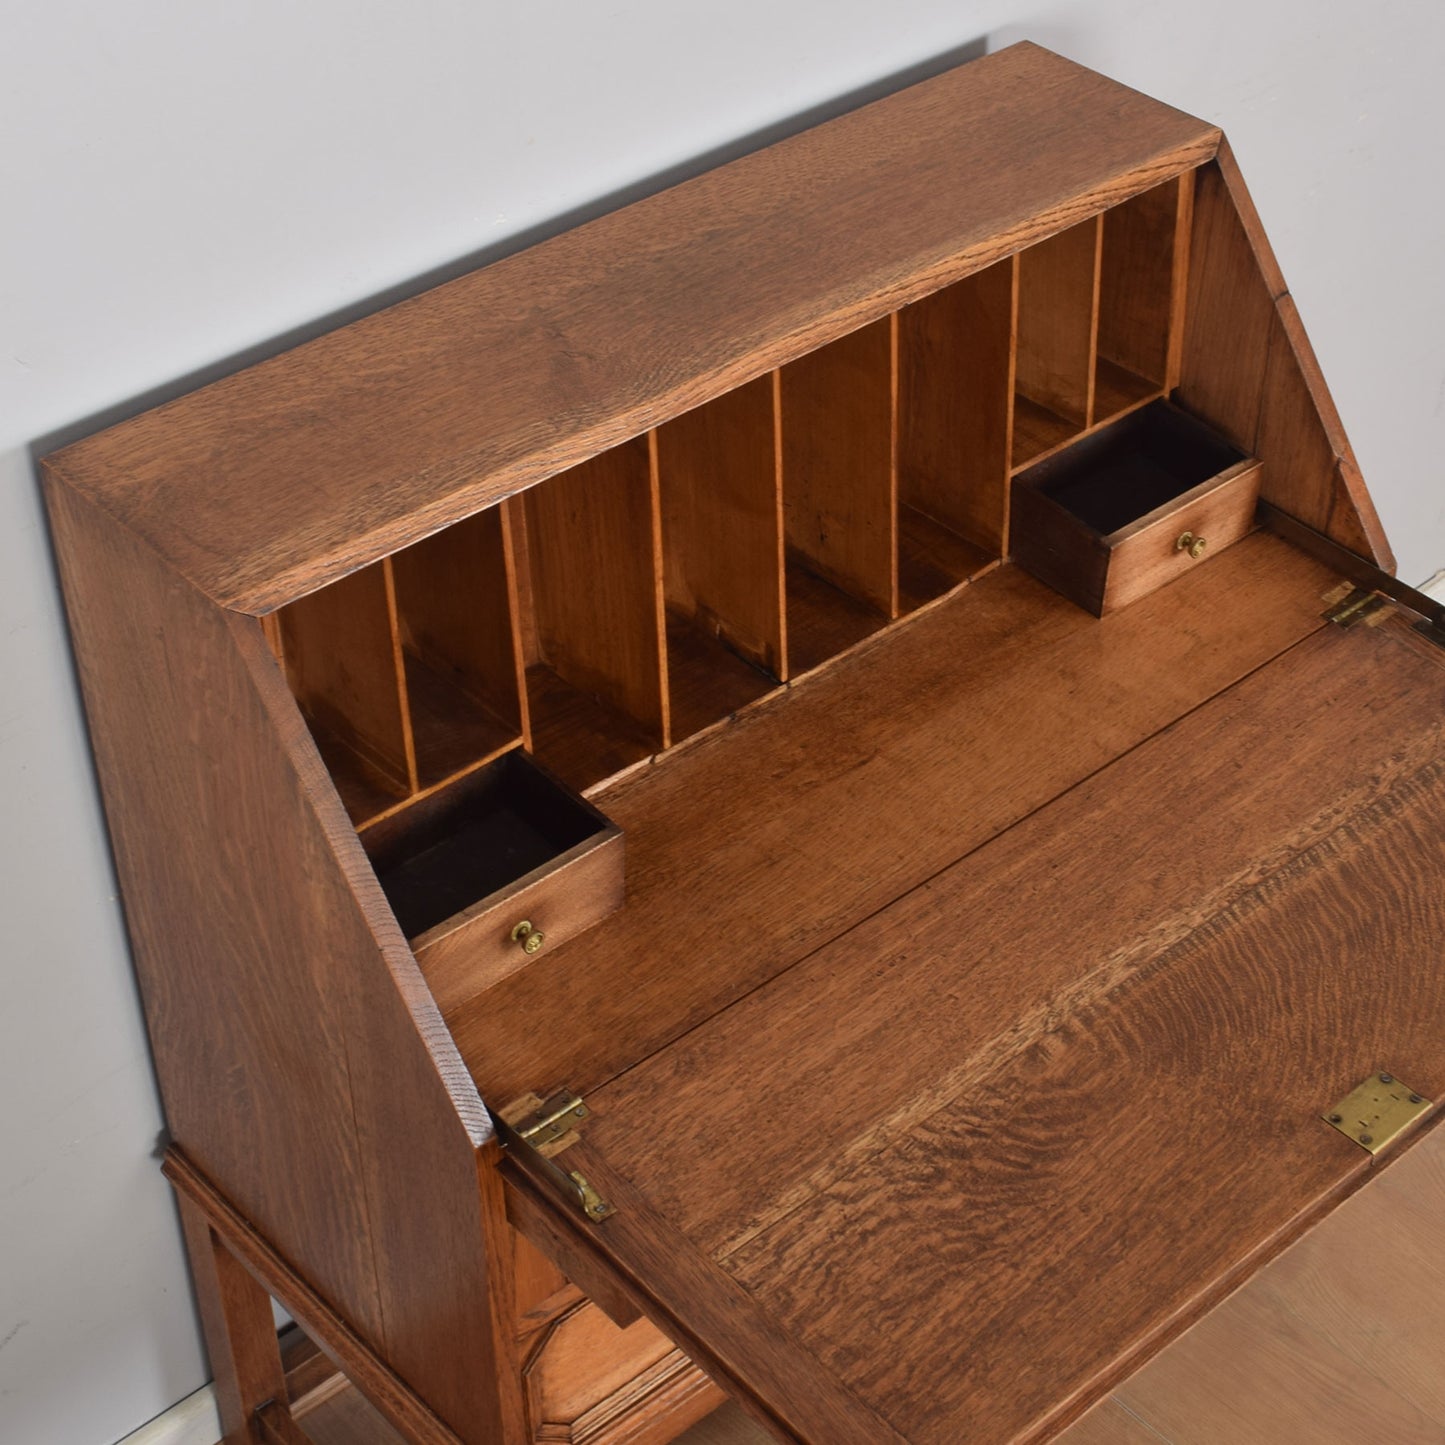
<point x="491" y="830"/>
<point x="1138" y="465"/>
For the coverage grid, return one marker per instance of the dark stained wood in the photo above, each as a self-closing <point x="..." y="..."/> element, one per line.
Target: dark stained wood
<point x="239" y="1330"/>
<point x="955" y="382"/>
<point x="455" y="606"/>
<point x="1058" y="301"/>
<point x="839" y="481"/>
<point x="1027" y="1105"/>
<point x="743" y="852"/>
<point x="722" y="526"/>
<point x="206" y="766"/>
<point x="343" y="662"/>
<point x="596" y="591"/>
<point x="449" y="401"/>
<point x="1136" y="283"/>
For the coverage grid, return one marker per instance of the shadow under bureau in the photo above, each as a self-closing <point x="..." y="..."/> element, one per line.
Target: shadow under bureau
<point x="817" y="789"/>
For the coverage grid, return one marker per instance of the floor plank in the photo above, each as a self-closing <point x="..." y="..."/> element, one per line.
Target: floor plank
<point x="1339" y="1341"/>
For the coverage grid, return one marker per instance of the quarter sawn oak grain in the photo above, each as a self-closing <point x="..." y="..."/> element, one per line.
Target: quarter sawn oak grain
<point x="955" y="923"/>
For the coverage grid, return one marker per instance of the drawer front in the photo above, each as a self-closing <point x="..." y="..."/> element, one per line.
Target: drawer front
<point x="590" y="1383"/>
<point x="470" y="953"/>
<point x="1148" y="555"/>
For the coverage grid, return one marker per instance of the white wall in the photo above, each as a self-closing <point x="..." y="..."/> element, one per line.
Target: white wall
<point x="181" y="182"/>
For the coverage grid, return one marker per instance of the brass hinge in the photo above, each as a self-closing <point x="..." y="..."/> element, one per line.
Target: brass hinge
<point x="1371" y="583"/>
<point x="540" y="1129"/>
<point x="1377" y="1112"/>
<point x="1349" y="604"/>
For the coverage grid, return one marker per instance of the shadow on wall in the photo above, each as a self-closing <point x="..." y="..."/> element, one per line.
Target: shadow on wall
<point x="485" y="255"/>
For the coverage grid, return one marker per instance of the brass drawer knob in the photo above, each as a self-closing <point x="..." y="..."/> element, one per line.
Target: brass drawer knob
<point x="1188" y="542"/>
<point x="530" y="938"/>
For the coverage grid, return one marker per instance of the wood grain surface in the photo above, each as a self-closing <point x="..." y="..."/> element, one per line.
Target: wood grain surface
<point x="1058" y="312"/>
<point x="1336" y="1342"/>
<point x="269" y="986"/>
<point x="840" y="487"/>
<point x="745" y="853"/>
<point x="1042" y="1136"/>
<point x="1137" y="281"/>
<point x="1146" y="554"/>
<point x="237" y="1324"/>
<point x="343" y="663"/>
<point x="1248" y="368"/>
<point x="596" y="591"/>
<point x="955" y="389"/>
<point x="368" y="438"/>
<point x="456" y="606"/>
<point x="722" y="526"/>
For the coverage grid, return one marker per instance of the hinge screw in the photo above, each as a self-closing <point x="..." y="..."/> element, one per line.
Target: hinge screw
<point x="1387" y="1078"/>
<point x="1367" y="1138"/>
<point x="1415" y="1099"/>
<point x="1337" y="1118"/>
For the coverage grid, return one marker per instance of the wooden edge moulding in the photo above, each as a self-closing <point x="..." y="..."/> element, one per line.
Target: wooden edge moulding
<point x="420" y="618"/>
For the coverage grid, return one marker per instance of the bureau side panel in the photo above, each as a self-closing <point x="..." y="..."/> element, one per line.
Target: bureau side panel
<point x="302" y="1066"/>
<point x="1248" y="369"/>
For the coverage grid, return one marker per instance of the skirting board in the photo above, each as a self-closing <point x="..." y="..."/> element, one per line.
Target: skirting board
<point x="192" y="1421"/>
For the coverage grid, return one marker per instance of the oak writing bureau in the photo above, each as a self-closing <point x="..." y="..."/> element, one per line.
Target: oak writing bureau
<point x="761" y="797"/>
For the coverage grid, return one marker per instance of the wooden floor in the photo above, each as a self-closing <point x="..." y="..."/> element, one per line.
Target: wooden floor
<point x="1341" y="1341"/>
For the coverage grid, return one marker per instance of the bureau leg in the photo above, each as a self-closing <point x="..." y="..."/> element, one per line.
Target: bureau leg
<point x="239" y="1328"/>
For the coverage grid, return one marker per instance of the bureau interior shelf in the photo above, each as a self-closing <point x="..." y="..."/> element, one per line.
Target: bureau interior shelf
<point x="631" y="602"/>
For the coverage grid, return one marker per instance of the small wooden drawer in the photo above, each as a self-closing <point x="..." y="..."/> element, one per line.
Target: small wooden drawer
<point x="495" y="870"/>
<point x="1123" y="511"/>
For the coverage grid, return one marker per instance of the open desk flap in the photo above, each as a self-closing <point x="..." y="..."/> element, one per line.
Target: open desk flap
<point x="956" y="1172"/>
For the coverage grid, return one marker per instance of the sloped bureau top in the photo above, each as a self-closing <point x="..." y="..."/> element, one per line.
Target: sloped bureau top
<point x="270" y="483"/>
